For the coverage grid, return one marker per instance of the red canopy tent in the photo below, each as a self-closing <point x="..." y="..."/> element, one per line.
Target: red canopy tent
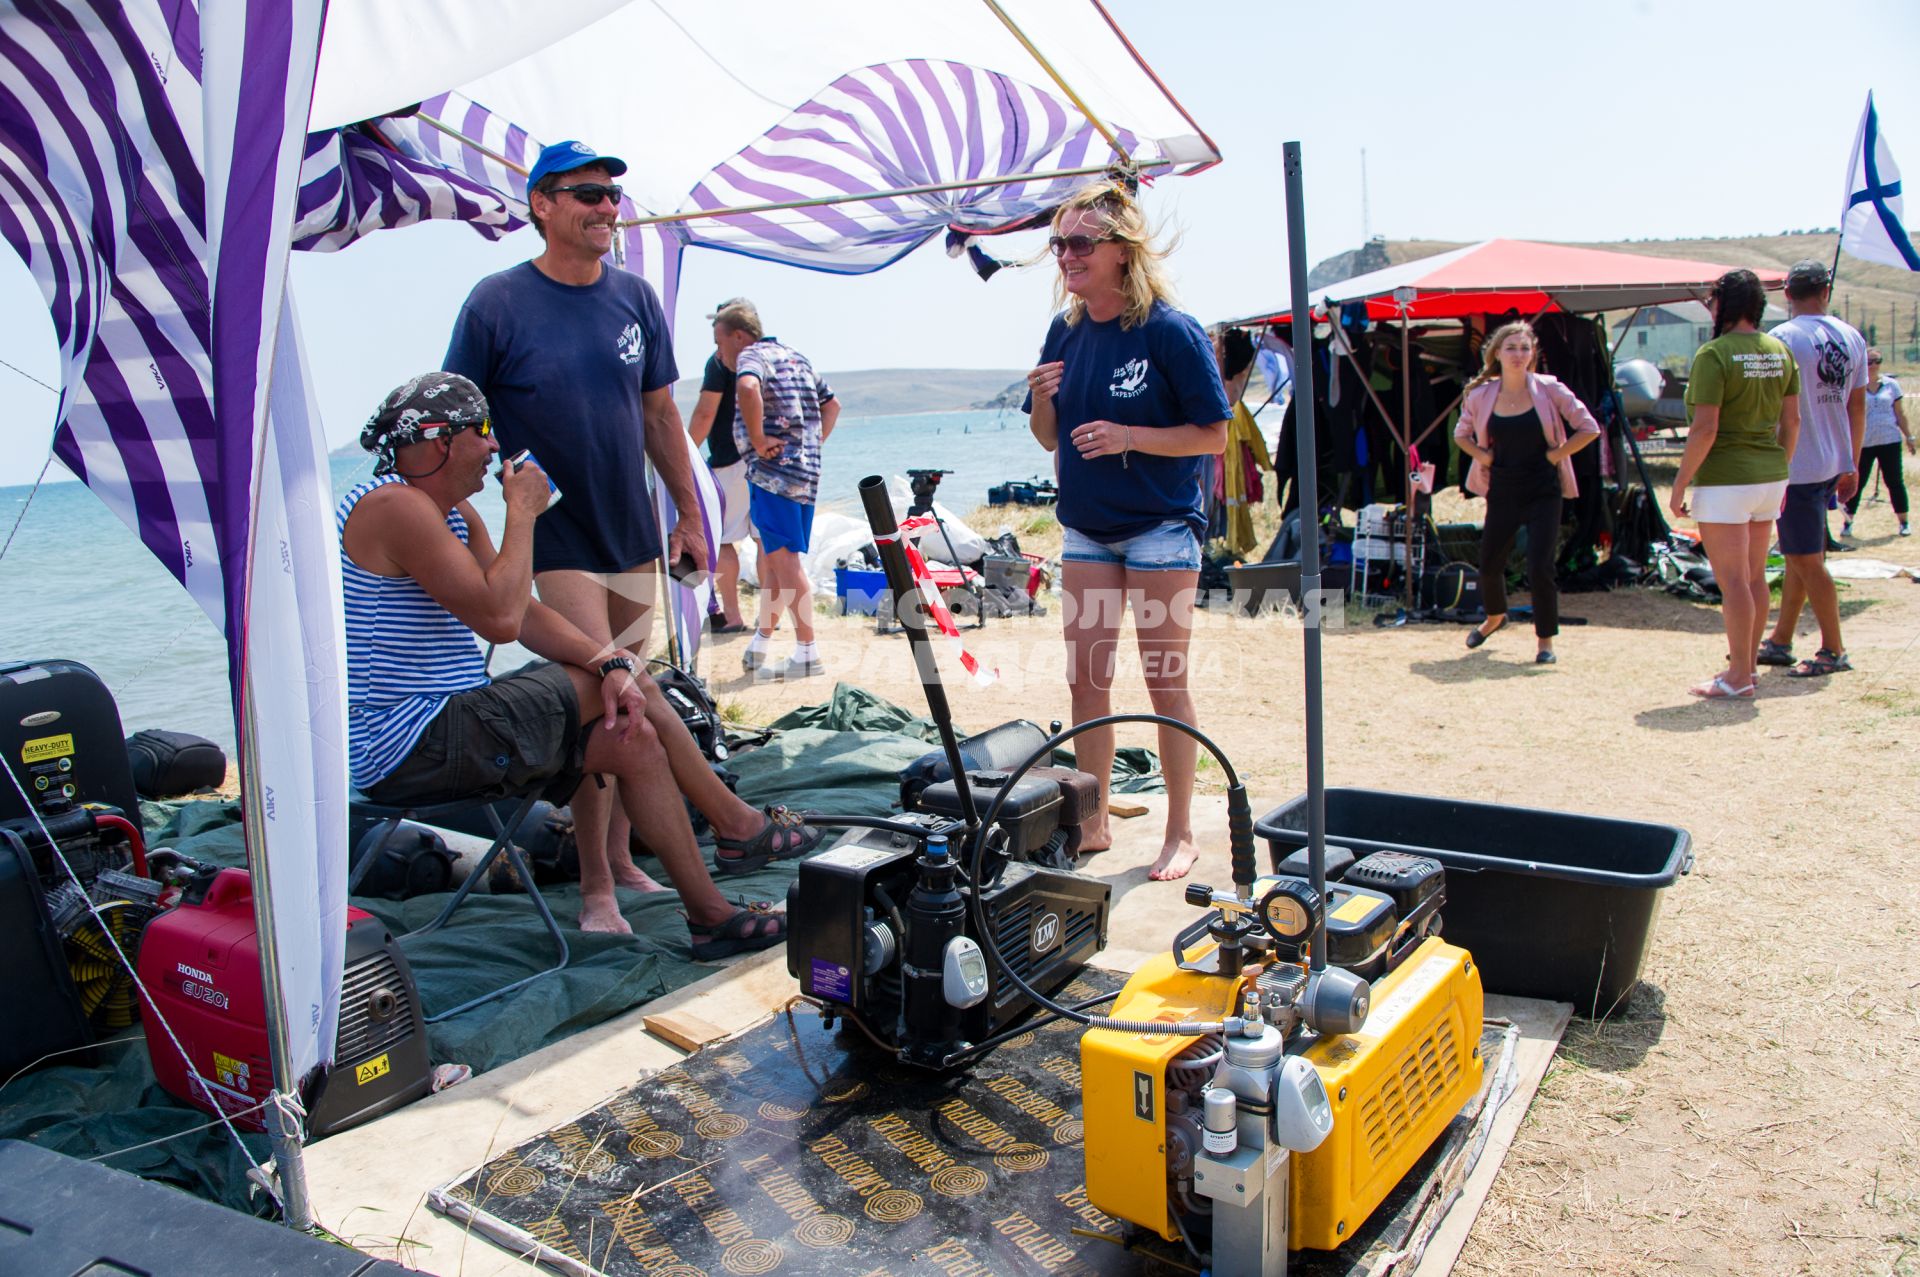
<point x="1497" y="275"/>
<point x="1500" y="275"/>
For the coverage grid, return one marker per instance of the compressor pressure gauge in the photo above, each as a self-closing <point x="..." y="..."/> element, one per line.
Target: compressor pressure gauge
<point x="1290" y="910"/>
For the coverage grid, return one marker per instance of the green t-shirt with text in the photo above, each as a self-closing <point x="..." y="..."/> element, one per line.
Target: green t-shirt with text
<point x="1748" y="375"/>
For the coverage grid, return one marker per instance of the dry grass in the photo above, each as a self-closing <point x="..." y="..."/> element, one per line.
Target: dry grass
<point x="1751" y="1108"/>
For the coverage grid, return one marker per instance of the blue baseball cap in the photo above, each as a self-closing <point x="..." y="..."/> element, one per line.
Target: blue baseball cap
<point x="564" y="157"/>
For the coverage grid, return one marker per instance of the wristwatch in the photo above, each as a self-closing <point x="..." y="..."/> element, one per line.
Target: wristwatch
<point x="619" y="662"/>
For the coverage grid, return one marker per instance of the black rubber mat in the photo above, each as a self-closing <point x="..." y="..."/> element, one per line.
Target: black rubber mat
<point x="795" y="1150"/>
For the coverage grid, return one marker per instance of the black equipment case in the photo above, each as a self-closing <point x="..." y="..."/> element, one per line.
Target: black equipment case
<point x="60" y="734"/>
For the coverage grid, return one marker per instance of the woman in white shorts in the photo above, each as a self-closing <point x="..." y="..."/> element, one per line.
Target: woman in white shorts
<point x="1744" y="392"/>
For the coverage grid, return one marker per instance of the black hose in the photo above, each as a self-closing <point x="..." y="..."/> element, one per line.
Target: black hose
<point x="978" y="851"/>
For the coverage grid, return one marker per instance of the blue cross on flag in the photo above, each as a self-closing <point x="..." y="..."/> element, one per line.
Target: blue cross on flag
<point x="1871" y="226"/>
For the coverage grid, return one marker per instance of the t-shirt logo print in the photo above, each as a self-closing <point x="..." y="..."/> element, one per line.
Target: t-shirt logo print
<point x="1832" y="363"/>
<point x="1129" y="379"/>
<point x="632" y="344"/>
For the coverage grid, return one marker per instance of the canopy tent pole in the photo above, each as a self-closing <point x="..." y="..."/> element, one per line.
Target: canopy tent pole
<point x="1057" y="78"/>
<point x="464" y="140"/>
<point x="283" y="1117"/>
<point x="1406" y="444"/>
<point x="1620" y="341"/>
<point x="1306" y="454"/>
<point x="867" y="197"/>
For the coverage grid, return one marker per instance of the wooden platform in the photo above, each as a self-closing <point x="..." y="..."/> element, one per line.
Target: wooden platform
<point x="370" y="1184"/>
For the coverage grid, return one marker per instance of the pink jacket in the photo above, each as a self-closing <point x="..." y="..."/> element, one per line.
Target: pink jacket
<point x="1553" y="401"/>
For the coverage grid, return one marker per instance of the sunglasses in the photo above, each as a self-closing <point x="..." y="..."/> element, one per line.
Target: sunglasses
<point x="1076" y="245"/>
<point x="591" y="193"/>
<point x="484" y="429"/>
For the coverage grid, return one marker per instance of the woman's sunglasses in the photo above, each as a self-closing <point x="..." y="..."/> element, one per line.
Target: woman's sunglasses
<point x="1076" y="245"/>
<point x="591" y="193"/>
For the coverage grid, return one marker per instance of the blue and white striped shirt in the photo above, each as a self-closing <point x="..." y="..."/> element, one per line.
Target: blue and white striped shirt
<point x="405" y="656"/>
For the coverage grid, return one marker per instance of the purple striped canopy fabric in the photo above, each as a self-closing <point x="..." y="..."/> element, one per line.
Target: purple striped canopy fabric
<point x="890" y="127"/>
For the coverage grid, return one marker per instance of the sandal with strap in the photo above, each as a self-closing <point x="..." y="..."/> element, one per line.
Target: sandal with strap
<point x="1718" y="689"/>
<point x="1772" y="653"/>
<point x="785" y="836"/>
<point x="755" y="925"/>
<point x="1820" y="664"/>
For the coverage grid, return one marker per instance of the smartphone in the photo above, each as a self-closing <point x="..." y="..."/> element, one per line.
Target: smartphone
<point x="685" y="570"/>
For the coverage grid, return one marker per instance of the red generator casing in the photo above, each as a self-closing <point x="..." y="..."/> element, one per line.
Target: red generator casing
<point x="201" y="963"/>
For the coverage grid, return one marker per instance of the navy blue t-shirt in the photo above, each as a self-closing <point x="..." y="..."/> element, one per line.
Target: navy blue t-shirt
<point x="722" y="451"/>
<point x="563" y="367"/>
<point x="1161" y="373"/>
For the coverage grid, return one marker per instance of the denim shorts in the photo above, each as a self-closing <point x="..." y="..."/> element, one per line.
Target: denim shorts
<point x="1803" y="518"/>
<point x="1170" y="547"/>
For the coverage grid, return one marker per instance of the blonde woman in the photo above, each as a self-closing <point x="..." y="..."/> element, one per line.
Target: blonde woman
<point x="1520" y="426"/>
<point x="1128" y="398"/>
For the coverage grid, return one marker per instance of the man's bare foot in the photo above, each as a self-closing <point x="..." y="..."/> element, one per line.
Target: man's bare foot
<point x="631" y="877"/>
<point x="603" y="915"/>
<point x="1176" y="860"/>
<point x="1095" y="836"/>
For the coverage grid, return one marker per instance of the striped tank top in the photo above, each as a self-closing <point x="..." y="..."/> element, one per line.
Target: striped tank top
<point x="405" y="655"/>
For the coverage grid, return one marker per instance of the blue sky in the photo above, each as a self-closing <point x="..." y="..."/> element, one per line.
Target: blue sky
<point x="1560" y="121"/>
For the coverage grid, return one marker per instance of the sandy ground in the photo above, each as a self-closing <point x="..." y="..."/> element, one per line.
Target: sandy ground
<point x="1750" y="1109"/>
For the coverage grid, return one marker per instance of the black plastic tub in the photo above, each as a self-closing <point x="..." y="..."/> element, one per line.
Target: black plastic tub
<point x="1551" y="904"/>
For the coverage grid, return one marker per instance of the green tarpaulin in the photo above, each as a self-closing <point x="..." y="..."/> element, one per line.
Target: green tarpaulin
<point x="843" y="757"/>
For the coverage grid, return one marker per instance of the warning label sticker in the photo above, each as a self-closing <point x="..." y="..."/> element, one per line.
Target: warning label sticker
<point x="379" y="1066"/>
<point x="45" y="749"/>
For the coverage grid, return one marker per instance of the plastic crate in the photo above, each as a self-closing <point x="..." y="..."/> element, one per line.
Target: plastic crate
<point x="861" y="591"/>
<point x="1551" y="904"/>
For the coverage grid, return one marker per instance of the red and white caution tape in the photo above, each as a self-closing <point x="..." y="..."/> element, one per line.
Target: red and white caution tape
<point x="980" y="675"/>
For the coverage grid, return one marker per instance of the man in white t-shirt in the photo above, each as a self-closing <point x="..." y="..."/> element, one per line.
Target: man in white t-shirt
<point x="1826" y="462"/>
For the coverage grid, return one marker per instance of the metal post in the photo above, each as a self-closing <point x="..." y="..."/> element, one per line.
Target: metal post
<point x="288" y="1165"/>
<point x="1406" y="447"/>
<point x="1307" y="454"/>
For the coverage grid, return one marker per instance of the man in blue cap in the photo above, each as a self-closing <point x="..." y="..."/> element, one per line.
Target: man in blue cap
<point x="576" y="361"/>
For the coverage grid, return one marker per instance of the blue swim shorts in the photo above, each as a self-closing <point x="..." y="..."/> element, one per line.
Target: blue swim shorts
<point x="1170" y="547"/>
<point x="780" y="522"/>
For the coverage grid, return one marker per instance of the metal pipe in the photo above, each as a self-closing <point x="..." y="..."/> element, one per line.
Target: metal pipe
<point x="464" y="140"/>
<point x="907" y="606"/>
<point x="1406" y="445"/>
<point x="1307" y="454"/>
<point x="1057" y="78"/>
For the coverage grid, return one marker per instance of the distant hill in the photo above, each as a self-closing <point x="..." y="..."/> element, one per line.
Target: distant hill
<point x="887" y="392"/>
<point x="1881" y="301"/>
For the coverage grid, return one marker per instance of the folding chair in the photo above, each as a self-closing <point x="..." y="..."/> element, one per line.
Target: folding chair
<point x="502" y="843"/>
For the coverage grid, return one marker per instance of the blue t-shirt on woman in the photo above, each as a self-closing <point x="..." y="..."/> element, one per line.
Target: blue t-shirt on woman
<point x="1161" y="373"/>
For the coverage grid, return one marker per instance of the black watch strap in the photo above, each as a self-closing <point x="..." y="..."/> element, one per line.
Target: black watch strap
<point x="619" y="662"/>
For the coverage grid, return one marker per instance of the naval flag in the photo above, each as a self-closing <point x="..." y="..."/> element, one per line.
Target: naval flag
<point x="1872" y="227"/>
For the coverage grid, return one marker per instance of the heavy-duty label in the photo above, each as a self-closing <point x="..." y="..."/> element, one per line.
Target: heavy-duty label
<point x="378" y="1067"/>
<point x="1356" y="908"/>
<point x="46" y="748"/>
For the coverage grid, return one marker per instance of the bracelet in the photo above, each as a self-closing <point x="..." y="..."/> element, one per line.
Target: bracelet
<point x="619" y="661"/>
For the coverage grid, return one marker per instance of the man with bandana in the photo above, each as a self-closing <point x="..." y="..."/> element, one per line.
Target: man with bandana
<point x="575" y="359"/>
<point x="425" y="724"/>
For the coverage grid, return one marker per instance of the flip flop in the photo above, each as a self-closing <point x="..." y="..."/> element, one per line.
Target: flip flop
<point x="1721" y="690"/>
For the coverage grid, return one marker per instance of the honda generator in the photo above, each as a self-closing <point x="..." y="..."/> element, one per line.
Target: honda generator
<point x="201" y="964"/>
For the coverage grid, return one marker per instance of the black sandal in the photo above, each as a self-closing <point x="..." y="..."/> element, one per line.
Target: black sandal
<point x="785" y="836"/>
<point x="755" y="925"/>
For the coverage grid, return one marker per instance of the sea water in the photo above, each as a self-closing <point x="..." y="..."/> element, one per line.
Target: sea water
<point x="80" y="586"/>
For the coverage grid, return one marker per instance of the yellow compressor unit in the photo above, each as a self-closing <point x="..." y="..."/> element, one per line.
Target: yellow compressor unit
<point x="1299" y="1091"/>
